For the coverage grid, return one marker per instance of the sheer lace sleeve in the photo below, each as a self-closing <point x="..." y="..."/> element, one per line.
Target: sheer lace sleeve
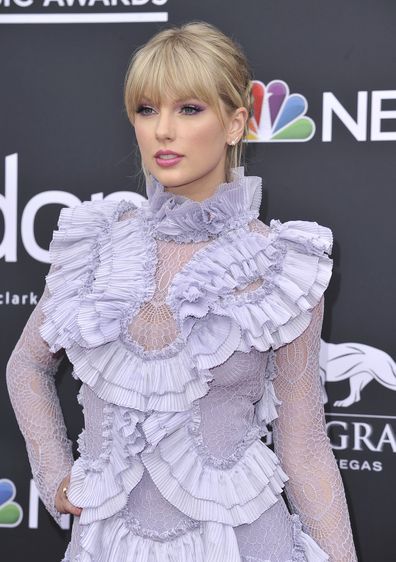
<point x="315" y="490"/>
<point x="31" y="386"/>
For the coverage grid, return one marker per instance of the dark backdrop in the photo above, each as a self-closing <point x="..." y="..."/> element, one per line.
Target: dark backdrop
<point x="64" y="135"/>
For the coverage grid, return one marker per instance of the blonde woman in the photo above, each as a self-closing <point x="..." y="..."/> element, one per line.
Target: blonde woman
<point x="193" y="326"/>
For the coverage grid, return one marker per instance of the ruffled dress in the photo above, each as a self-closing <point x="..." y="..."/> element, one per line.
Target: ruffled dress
<point x="170" y="314"/>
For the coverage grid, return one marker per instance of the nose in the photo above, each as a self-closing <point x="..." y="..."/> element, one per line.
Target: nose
<point x="165" y="125"/>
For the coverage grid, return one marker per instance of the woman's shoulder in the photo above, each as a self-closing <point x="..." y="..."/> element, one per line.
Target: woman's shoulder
<point x="297" y="237"/>
<point x="95" y="213"/>
<point x="267" y="279"/>
<point x="87" y="224"/>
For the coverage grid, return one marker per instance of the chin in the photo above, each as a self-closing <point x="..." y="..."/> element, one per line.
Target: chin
<point x="172" y="177"/>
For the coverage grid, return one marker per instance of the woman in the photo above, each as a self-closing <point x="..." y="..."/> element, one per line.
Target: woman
<point x="192" y="326"/>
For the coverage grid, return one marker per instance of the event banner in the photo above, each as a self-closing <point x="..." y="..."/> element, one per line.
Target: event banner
<point x="323" y="139"/>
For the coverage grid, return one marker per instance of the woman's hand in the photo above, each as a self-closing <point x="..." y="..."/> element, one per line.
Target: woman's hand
<point x="62" y="504"/>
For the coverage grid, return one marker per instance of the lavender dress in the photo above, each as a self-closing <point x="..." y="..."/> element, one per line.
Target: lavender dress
<point x="192" y="326"/>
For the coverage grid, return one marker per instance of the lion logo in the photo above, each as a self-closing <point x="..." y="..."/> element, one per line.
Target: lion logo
<point x="357" y="362"/>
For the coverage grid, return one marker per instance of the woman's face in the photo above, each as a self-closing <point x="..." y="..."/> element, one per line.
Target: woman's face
<point x="191" y="129"/>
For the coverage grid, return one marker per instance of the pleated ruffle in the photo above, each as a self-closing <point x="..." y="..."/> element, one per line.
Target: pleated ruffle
<point x="89" y="251"/>
<point x="105" y="270"/>
<point x="266" y="409"/>
<point x="179" y="218"/>
<point x="218" y="494"/>
<point x="117" y="375"/>
<point x="305" y="548"/>
<point x="120" y="540"/>
<point x="101" y="485"/>
<point x="232" y="492"/>
<point x="293" y="265"/>
<point x="117" y="540"/>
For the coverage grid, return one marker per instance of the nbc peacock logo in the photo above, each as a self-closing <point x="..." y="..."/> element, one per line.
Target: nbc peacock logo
<point x="11" y="513"/>
<point x="278" y="116"/>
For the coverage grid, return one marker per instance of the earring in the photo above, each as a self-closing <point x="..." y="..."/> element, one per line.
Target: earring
<point x="232" y="143"/>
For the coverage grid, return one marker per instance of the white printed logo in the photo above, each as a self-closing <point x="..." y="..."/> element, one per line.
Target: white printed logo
<point x="358" y="363"/>
<point x="9" y="209"/>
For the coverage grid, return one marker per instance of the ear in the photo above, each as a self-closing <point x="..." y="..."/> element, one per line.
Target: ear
<point x="236" y="125"/>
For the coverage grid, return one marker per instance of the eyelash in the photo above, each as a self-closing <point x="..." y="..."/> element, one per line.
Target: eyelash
<point x="189" y="106"/>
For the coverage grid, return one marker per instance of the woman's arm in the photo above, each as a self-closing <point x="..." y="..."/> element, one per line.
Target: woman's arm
<point x="31" y="386"/>
<point x="315" y="490"/>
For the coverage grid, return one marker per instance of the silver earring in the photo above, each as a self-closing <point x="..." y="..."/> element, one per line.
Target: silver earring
<point x="234" y="141"/>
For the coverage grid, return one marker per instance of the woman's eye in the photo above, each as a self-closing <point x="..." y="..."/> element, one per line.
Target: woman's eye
<point x="186" y="109"/>
<point x="142" y="109"/>
<point x="194" y="109"/>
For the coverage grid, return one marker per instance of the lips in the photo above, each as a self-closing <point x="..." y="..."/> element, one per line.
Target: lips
<point x="166" y="152"/>
<point x="167" y="158"/>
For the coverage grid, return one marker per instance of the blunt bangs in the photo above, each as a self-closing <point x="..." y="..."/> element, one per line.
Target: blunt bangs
<point x="174" y="71"/>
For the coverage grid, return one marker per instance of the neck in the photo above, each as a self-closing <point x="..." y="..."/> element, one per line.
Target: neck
<point x="201" y="188"/>
<point x="179" y="217"/>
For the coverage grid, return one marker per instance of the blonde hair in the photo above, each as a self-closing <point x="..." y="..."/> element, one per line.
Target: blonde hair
<point x="193" y="60"/>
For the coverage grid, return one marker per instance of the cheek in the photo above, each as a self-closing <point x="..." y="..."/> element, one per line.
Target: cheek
<point x="143" y="137"/>
<point x="207" y="136"/>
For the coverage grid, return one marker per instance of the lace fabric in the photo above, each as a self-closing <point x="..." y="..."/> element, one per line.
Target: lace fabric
<point x="30" y="376"/>
<point x="314" y="489"/>
<point x="187" y="349"/>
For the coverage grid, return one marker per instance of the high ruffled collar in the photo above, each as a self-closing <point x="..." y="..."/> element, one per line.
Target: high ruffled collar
<point x="179" y="218"/>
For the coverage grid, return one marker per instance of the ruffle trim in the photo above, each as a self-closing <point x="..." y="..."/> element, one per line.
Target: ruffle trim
<point x="119" y="539"/>
<point x="117" y="375"/>
<point x="294" y="282"/>
<point x="305" y="548"/>
<point x="192" y="483"/>
<point x="181" y="219"/>
<point x="266" y="409"/>
<point x="105" y="271"/>
<point x="124" y="279"/>
<point x="165" y="384"/>
<point x="232" y="490"/>
<point x="295" y="271"/>
<point x="92" y="258"/>
<point x="101" y="486"/>
<point x="116" y="540"/>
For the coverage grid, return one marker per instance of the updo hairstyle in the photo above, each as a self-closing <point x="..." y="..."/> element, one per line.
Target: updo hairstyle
<point x="193" y="60"/>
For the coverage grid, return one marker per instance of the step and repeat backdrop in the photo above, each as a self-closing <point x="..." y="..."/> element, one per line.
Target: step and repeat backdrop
<point x="326" y="150"/>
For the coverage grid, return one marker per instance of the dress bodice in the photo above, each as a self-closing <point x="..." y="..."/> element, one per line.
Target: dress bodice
<point x="193" y="327"/>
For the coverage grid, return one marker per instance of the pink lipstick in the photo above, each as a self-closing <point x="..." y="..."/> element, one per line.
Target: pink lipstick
<point x="167" y="158"/>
